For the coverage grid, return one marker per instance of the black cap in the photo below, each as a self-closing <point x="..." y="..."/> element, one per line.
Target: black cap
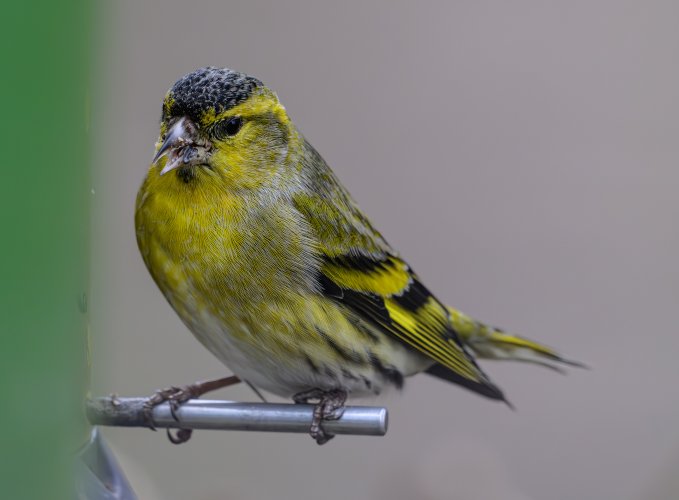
<point x="207" y="89"/>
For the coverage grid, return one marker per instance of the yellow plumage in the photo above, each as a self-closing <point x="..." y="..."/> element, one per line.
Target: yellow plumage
<point x="274" y="268"/>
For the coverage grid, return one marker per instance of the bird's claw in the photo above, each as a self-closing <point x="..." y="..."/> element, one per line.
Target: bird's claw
<point x="181" y="436"/>
<point x="329" y="405"/>
<point x="175" y="397"/>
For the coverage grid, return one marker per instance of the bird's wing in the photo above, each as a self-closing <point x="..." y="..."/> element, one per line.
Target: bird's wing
<point x="359" y="270"/>
<point x="384" y="291"/>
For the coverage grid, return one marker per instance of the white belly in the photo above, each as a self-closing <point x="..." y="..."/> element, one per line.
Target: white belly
<point x="265" y="370"/>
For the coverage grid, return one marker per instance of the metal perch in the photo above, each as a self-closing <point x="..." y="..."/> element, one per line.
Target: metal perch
<point x="228" y="415"/>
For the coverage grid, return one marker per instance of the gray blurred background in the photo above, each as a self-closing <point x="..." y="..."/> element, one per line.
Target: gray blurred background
<point x="521" y="155"/>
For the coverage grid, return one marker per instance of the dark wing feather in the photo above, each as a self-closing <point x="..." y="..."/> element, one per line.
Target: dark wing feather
<point x="360" y="270"/>
<point x="370" y="288"/>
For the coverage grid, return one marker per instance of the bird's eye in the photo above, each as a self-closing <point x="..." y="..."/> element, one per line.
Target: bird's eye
<point x="228" y="128"/>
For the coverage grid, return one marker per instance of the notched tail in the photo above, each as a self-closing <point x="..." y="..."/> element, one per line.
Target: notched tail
<point x="486" y="342"/>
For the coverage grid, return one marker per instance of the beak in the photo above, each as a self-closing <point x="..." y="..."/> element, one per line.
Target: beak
<point x="182" y="146"/>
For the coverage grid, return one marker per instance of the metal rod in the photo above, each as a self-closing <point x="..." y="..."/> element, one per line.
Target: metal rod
<point x="228" y="415"/>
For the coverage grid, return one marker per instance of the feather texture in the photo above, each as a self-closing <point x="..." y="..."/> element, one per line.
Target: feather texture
<point x="272" y="265"/>
<point x="362" y="272"/>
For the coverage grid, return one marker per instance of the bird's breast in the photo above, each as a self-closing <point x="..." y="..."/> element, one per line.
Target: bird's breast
<point x="231" y="251"/>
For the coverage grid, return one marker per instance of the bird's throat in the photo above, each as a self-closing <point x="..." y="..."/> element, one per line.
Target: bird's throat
<point x="188" y="173"/>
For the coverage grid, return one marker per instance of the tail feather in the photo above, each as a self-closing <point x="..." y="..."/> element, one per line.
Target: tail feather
<point x="488" y="389"/>
<point x="486" y="342"/>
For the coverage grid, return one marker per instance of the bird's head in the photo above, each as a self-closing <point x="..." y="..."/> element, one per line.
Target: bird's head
<point x="219" y="125"/>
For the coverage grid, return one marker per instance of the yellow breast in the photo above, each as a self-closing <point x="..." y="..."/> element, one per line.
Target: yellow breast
<point x="206" y="247"/>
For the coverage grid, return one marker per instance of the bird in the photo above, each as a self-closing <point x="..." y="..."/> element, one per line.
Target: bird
<point x="272" y="265"/>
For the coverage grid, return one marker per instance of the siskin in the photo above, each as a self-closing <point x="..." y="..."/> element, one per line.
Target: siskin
<point x="274" y="268"/>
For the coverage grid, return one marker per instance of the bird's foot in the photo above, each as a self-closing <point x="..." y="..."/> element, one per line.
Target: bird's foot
<point x="328" y="405"/>
<point x="177" y="396"/>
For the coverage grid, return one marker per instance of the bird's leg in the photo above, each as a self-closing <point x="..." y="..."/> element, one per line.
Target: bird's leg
<point x="328" y="405"/>
<point x="177" y="396"/>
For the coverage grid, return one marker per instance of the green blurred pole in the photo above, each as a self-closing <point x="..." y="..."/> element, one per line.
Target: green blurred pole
<point x="44" y="191"/>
